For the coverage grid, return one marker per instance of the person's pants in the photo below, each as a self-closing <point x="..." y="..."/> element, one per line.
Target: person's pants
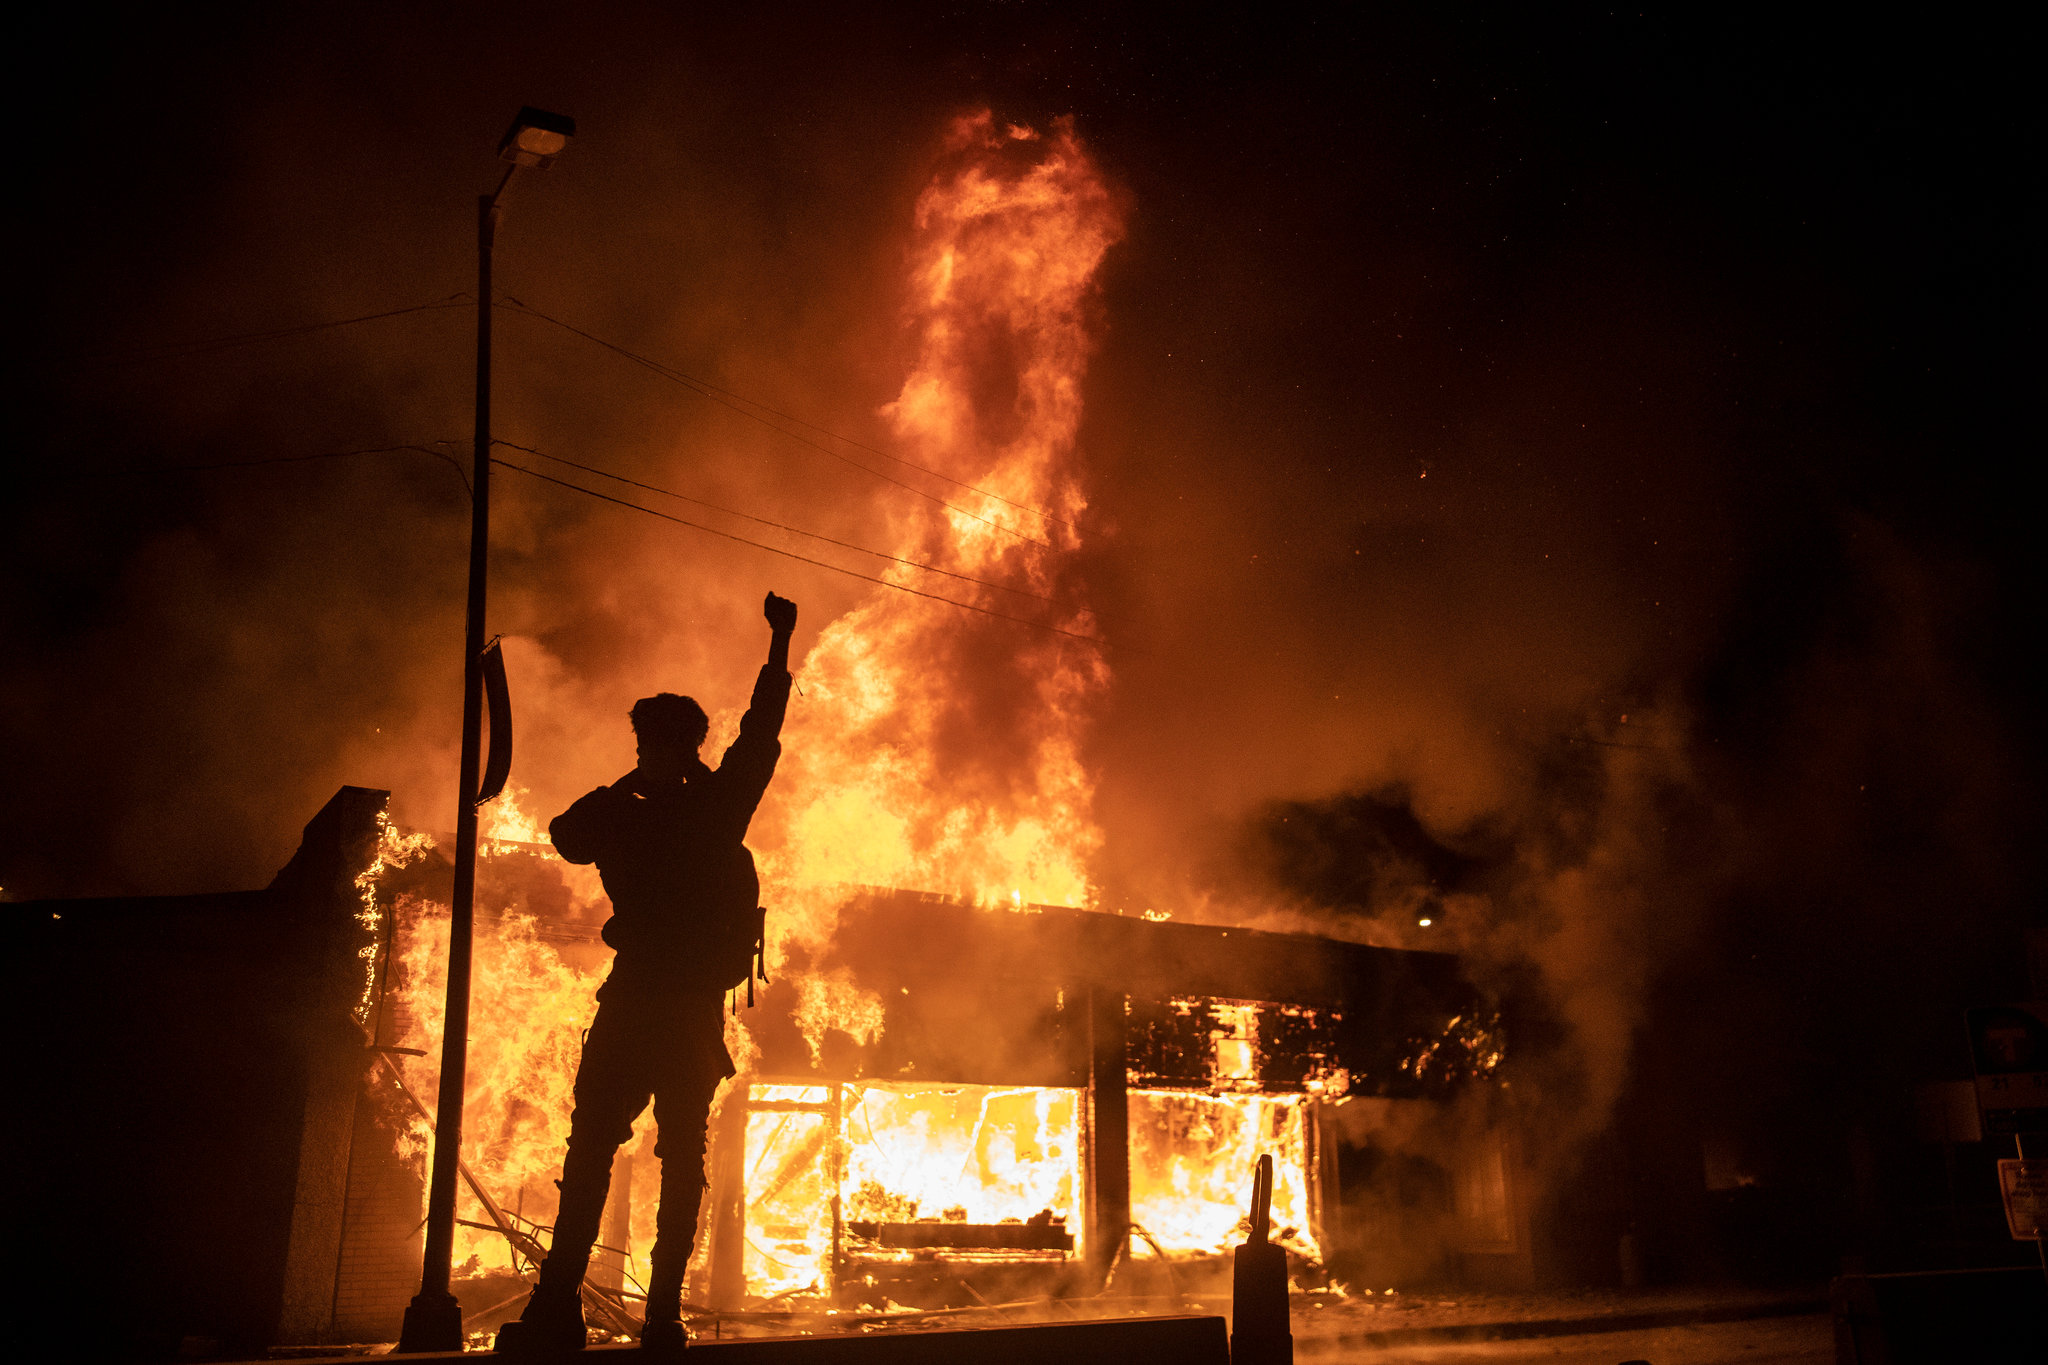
<point x="675" y="1053"/>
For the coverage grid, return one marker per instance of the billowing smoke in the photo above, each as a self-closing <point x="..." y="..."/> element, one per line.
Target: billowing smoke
<point x="1420" y="507"/>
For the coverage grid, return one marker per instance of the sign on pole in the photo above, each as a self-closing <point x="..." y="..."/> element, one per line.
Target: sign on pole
<point x="2025" y="1187"/>
<point x="2009" y="1049"/>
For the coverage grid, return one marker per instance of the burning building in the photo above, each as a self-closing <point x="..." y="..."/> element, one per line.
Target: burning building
<point x="1001" y="1094"/>
<point x="1033" y="1101"/>
<point x="984" y="1087"/>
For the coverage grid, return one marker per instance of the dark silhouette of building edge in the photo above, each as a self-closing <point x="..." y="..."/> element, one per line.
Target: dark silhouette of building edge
<point x="194" y="1087"/>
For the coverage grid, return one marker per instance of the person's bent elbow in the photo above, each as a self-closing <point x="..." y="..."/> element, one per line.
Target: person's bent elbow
<point x="572" y="843"/>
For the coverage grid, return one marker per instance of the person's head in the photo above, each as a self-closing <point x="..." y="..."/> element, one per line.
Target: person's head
<point x="670" y="729"/>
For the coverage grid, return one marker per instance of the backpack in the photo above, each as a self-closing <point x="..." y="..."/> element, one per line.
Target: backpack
<point x="733" y="932"/>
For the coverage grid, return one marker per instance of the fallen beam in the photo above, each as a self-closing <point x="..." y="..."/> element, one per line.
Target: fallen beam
<point x="967" y="1236"/>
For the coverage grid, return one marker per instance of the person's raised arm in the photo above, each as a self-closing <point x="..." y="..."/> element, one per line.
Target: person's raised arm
<point x="781" y="614"/>
<point x="763" y="721"/>
<point x="750" y="762"/>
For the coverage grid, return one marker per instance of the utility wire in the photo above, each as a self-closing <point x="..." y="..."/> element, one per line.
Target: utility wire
<point x="793" y="530"/>
<point x="177" y="350"/>
<point x="813" y="426"/>
<point x="428" y="449"/>
<point x="894" y="459"/>
<point x="1094" y="640"/>
<point x="735" y="403"/>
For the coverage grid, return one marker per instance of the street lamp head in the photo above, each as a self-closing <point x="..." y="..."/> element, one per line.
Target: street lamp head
<point x="536" y="137"/>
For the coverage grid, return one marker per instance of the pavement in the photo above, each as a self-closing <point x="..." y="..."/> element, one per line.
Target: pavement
<point x="1801" y="1339"/>
<point x="1153" y="1340"/>
<point x="1331" y="1324"/>
<point x="1697" y="1326"/>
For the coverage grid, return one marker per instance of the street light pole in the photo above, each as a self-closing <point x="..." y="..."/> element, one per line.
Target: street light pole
<point x="433" y="1321"/>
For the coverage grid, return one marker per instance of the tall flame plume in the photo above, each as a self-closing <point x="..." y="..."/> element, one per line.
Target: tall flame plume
<point x="939" y="749"/>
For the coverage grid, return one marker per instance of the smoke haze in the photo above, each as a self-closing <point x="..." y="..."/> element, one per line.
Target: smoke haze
<point x="1575" y="450"/>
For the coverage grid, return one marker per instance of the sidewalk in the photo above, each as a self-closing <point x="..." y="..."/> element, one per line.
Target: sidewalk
<point x="1326" y="1323"/>
<point x="1323" y="1323"/>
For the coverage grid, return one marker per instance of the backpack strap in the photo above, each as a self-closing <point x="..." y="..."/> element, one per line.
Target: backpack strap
<point x="759" y="967"/>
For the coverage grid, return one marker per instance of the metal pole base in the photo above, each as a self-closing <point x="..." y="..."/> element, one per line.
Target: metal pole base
<point x="433" y="1322"/>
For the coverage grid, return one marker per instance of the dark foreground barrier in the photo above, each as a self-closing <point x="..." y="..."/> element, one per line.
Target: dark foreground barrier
<point x="1110" y="1341"/>
<point x="1117" y="1341"/>
<point x="1936" y="1317"/>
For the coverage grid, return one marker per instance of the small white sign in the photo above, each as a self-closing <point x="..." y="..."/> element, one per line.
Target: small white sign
<point x="2025" y="1187"/>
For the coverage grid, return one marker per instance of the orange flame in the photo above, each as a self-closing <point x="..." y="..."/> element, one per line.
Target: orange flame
<point x="933" y="748"/>
<point x="938" y="749"/>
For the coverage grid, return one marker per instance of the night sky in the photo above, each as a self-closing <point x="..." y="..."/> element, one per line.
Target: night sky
<point x="1466" y="386"/>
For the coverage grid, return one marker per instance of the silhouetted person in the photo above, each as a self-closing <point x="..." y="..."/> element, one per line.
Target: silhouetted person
<point x="667" y="839"/>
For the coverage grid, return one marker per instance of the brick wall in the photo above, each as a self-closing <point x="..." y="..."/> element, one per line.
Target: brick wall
<point x="381" y="1242"/>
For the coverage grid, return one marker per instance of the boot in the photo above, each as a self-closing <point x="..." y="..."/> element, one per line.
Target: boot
<point x="550" y="1327"/>
<point x="663" y="1337"/>
<point x="663" y="1334"/>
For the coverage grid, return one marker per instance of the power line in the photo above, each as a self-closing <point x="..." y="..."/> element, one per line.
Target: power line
<point x="793" y="530"/>
<point x="428" y="449"/>
<point x="898" y="459"/>
<point x="734" y="402"/>
<point x="178" y="350"/>
<point x="823" y="431"/>
<point x="1096" y="641"/>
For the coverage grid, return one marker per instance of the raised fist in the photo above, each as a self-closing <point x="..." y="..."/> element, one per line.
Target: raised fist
<point x="781" y="613"/>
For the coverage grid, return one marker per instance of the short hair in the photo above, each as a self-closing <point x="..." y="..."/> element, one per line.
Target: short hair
<point x="666" y="716"/>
